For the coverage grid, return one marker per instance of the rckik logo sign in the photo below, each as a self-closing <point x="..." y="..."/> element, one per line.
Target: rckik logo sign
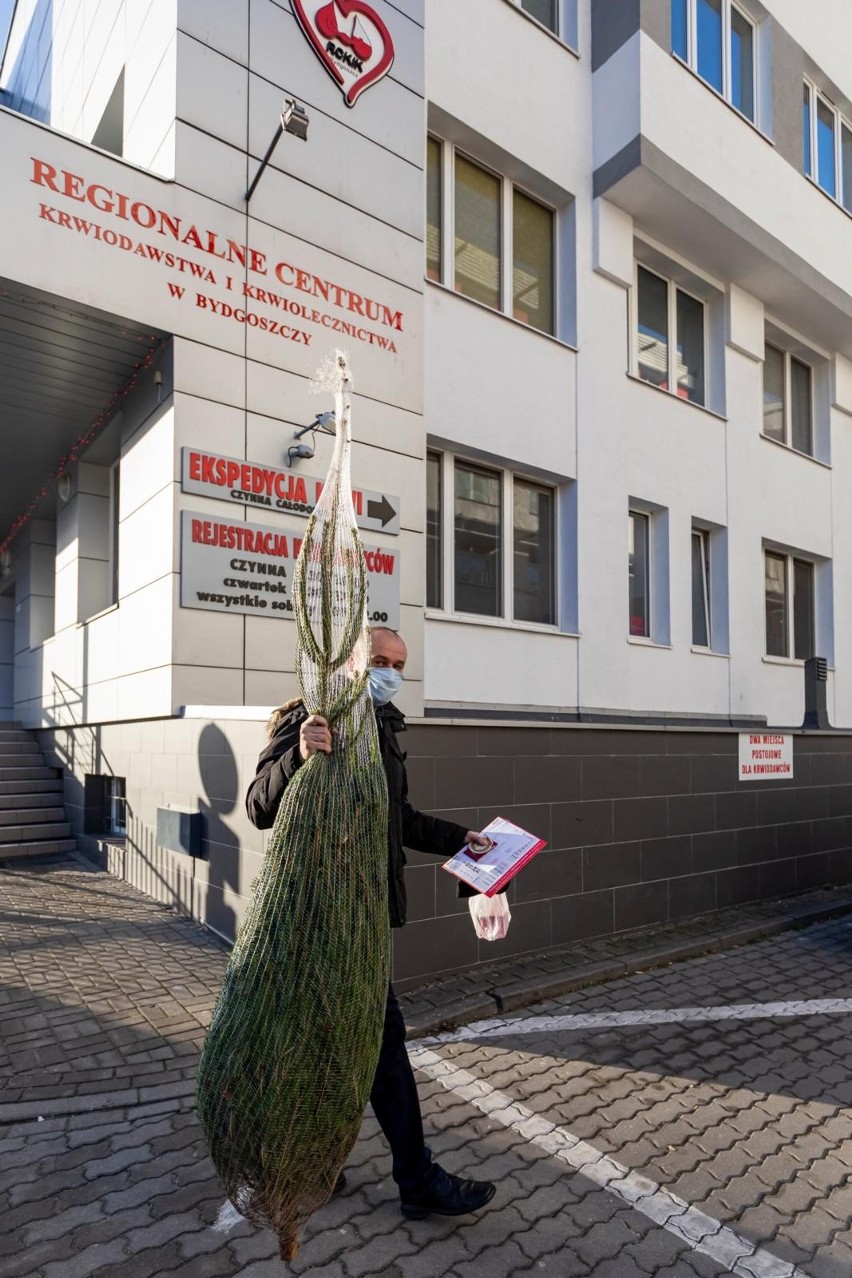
<point x="350" y="40"/>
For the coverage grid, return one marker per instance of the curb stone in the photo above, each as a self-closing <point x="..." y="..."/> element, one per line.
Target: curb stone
<point x="436" y="1008"/>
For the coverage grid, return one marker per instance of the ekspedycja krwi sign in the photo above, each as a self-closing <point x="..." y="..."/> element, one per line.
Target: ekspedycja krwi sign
<point x="253" y="484"/>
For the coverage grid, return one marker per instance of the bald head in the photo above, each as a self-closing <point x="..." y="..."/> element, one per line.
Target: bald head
<point x="387" y="649"/>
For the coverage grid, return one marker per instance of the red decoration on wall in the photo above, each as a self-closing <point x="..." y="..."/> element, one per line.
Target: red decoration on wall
<point x="350" y="40"/>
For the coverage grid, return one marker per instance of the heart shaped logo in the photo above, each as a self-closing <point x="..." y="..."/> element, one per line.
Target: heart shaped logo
<point x="350" y="40"/>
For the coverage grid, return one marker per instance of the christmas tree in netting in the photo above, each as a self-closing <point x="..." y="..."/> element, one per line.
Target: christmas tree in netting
<point x="292" y="1048"/>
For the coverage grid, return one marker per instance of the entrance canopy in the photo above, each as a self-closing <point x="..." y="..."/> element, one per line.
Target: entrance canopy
<point x="64" y="368"/>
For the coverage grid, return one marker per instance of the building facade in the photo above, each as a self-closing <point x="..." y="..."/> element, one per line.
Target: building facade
<point x="589" y="260"/>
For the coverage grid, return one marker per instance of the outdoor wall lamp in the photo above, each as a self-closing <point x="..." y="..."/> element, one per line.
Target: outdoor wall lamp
<point x="322" y="421"/>
<point x="295" y="120"/>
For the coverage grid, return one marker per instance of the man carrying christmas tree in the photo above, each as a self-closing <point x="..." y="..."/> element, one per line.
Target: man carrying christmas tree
<point x="424" y="1186"/>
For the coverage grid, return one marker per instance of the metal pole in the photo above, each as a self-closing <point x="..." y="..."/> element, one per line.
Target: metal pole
<point x="264" y="161"/>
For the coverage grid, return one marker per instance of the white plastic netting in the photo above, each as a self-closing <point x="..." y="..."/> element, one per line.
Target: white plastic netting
<point x="292" y="1049"/>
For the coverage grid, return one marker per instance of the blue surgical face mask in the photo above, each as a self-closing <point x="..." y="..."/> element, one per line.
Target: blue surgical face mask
<point x="384" y="683"/>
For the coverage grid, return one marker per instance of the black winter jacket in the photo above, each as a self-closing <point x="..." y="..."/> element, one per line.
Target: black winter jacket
<point x="406" y="826"/>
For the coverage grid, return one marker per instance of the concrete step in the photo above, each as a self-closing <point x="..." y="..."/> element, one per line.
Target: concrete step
<point x="27" y="746"/>
<point x="26" y="795"/>
<point x="25" y="815"/>
<point x="26" y="772"/>
<point x="32" y="785"/>
<point x="31" y="833"/>
<point x="44" y="847"/>
<point x="15" y="734"/>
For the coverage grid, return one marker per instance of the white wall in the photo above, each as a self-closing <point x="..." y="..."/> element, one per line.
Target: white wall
<point x="824" y="30"/>
<point x="621" y="439"/>
<point x="496" y="389"/>
<point x="65" y="56"/>
<point x="351" y="202"/>
<point x="348" y="205"/>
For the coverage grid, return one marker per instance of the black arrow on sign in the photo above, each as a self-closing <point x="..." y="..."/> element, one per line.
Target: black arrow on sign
<point x="382" y="510"/>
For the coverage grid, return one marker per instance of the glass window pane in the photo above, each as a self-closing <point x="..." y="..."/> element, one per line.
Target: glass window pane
<point x="638" y="548"/>
<point x="826" y="176"/>
<point x="846" y="161"/>
<point x="742" y="64"/>
<point x="710" y="42"/>
<point x="433" y="531"/>
<point x="690" y="348"/>
<point x="477" y="233"/>
<point x="680" y="44"/>
<point x="532" y="277"/>
<point x="803" y="610"/>
<point x="800" y="407"/>
<point x="478" y="541"/>
<point x="806" y="130"/>
<point x="700" y="590"/>
<point x="433" y="209"/>
<point x="773" y="393"/>
<point x="653" y="329"/>
<point x="544" y="10"/>
<point x="533" y="532"/>
<point x="776" y="605"/>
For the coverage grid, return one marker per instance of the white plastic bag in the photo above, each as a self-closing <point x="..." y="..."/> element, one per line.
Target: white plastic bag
<point x="491" y="916"/>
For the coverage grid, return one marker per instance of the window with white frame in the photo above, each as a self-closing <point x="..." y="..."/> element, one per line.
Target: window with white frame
<point x="434" y="203"/>
<point x="498" y="245"/>
<point x="701" y="620"/>
<point x="788" y="400"/>
<point x="105" y="805"/>
<point x="434" y="531"/>
<point x="827" y="146"/>
<point x="639" y="573"/>
<point x="789" y="591"/>
<point x="556" y="16"/>
<point x="670" y="336"/>
<point x="648" y="616"/>
<point x="499" y="531"/>
<point x="544" y="11"/>
<point x="718" y="40"/>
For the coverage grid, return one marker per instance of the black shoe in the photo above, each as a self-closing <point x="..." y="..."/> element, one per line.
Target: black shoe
<point x="339" y="1184"/>
<point x="448" y="1195"/>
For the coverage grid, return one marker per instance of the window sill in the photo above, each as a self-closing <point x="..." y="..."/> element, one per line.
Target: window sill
<point x="711" y="412"/>
<point x="639" y="641"/>
<point x="832" y="199"/>
<point x="721" y="97"/>
<point x="501" y="315"/>
<point x="710" y="652"/>
<point x="498" y="623"/>
<point x="788" y="448"/>
<point x="552" y="35"/>
<point x="791" y="661"/>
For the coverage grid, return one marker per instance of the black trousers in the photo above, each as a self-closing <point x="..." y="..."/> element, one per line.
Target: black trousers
<point x="397" y="1106"/>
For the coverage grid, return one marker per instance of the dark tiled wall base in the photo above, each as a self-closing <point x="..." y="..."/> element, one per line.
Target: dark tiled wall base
<point x="643" y="827"/>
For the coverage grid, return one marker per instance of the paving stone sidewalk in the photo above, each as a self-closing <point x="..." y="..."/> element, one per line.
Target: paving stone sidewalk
<point x="104" y="1000"/>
